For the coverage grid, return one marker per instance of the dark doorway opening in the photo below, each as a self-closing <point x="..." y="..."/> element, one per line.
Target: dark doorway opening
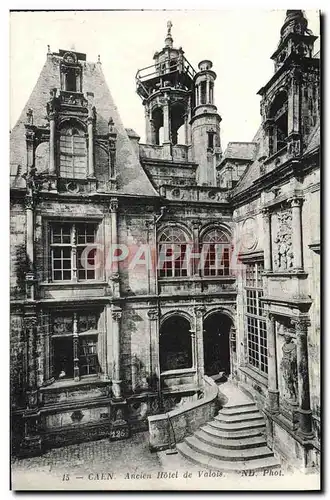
<point x="175" y="347"/>
<point x="216" y="344"/>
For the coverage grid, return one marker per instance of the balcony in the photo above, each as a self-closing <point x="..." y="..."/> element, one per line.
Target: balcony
<point x="75" y="99"/>
<point x="178" y="153"/>
<point x="175" y="71"/>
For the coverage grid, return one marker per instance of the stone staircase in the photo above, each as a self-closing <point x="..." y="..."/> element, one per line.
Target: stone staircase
<point x="235" y="440"/>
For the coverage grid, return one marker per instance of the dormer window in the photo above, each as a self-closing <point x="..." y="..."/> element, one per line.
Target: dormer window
<point x="70" y="80"/>
<point x="278" y="117"/>
<point x="70" y="73"/>
<point x="72" y="151"/>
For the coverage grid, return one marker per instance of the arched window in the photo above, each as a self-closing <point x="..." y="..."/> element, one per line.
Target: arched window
<point x="175" y="344"/>
<point x="215" y="250"/>
<point x="278" y="115"/>
<point x="172" y="249"/>
<point x="73" y="152"/>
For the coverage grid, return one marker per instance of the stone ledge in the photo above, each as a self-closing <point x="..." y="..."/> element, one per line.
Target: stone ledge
<point x="257" y="377"/>
<point x="183" y="421"/>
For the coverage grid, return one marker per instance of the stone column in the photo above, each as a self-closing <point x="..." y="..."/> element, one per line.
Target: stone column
<point x="30" y="322"/>
<point x="75" y="348"/>
<point x="186" y="129"/>
<point x="147" y="124"/>
<point x="199" y="310"/>
<point x="153" y="317"/>
<point x="196" y="263"/>
<point x="273" y="392"/>
<point x="29" y="276"/>
<point x="114" y="243"/>
<point x="208" y="91"/>
<point x="196" y="95"/>
<point x="294" y="102"/>
<point x="193" y="348"/>
<point x="305" y="414"/>
<point x="90" y="125"/>
<point x="166" y="121"/>
<point x="29" y="205"/>
<point x="52" y="161"/>
<point x="296" y="204"/>
<point x="116" y="381"/>
<point x="153" y="132"/>
<point x="267" y="239"/>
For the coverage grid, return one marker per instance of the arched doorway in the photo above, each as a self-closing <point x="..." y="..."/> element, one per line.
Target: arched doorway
<point x="216" y="333"/>
<point x="175" y="348"/>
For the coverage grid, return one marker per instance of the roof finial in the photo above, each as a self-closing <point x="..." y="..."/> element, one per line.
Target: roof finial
<point x="99" y="58"/>
<point x="169" y="39"/>
<point x="48" y="49"/>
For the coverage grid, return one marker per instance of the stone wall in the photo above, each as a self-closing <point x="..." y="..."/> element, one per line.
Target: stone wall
<point x="169" y="428"/>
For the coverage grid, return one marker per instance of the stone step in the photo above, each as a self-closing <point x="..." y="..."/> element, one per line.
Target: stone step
<point x="246" y="404"/>
<point x="238" y="434"/>
<point x="233" y="444"/>
<point x="237" y="426"/>
<point x="244" y="417"/>
<point x="235" y="466"/>
<point x="238" y="411"/>
<point x="227" y="454"/>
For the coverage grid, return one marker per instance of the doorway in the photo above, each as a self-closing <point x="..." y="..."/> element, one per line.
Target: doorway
<point x="216" y="333"/>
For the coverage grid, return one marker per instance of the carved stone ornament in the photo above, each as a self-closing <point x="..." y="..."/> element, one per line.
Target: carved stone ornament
<point x="249" y="232"/>
<point x="70" y="58"/>
<point x="288" y="367"/>
<point x="116" y="314"/>
<point x="113" y="205"/>
<point x="153" y="314"/>
<point x="77" y="416"/>
<point x="199" y="311"/>
<point x="283" y="254"/>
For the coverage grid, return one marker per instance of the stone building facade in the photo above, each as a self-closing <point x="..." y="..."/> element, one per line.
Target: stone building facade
<point x="138" y="268"/>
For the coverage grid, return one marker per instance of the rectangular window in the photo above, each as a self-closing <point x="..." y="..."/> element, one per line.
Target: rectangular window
<point x="174" y="264"/>
<point x="72" y="251"/>
<point x="210" y="140"/>
<point x="203" y="93"/>
<point x="255" y="318"/>
<point x="73" y="155"/>
<point x="74" y="344"/>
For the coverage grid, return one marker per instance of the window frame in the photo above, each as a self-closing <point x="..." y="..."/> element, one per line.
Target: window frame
<point x="174" y="270"/>
<point x="74" y="246"/>
<point x="221" y="271"/>
<point x="255" y="319"/>
<point x="76" y="337"/>
<point x="68" y="150"/>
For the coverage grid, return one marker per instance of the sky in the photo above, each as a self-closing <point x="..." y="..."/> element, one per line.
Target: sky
<point x="238" y="42"/>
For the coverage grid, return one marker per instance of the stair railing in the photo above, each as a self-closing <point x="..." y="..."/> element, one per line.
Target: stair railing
<point x="173" y="449"/>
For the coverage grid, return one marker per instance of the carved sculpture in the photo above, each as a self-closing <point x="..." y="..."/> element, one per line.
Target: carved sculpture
<point x="289" y="367"/>
<point x="283" y="254"/>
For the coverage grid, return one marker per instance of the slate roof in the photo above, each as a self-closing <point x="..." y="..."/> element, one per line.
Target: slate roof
<point x="252" y="173"/>
<point x="131" y="178"/>
<point x="240" y="150"/>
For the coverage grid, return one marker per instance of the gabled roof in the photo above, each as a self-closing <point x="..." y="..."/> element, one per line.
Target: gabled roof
<point x="131" y="178"/>
<point x="252" y="173"/>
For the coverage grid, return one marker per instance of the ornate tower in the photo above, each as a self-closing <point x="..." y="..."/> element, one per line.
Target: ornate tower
<point x="166" y="89"/>
<point x="205" y="125"/>
<point x="290" y="100"/>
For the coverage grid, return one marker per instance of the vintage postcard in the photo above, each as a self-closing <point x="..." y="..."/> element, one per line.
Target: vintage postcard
<point x="165" y="250"/>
